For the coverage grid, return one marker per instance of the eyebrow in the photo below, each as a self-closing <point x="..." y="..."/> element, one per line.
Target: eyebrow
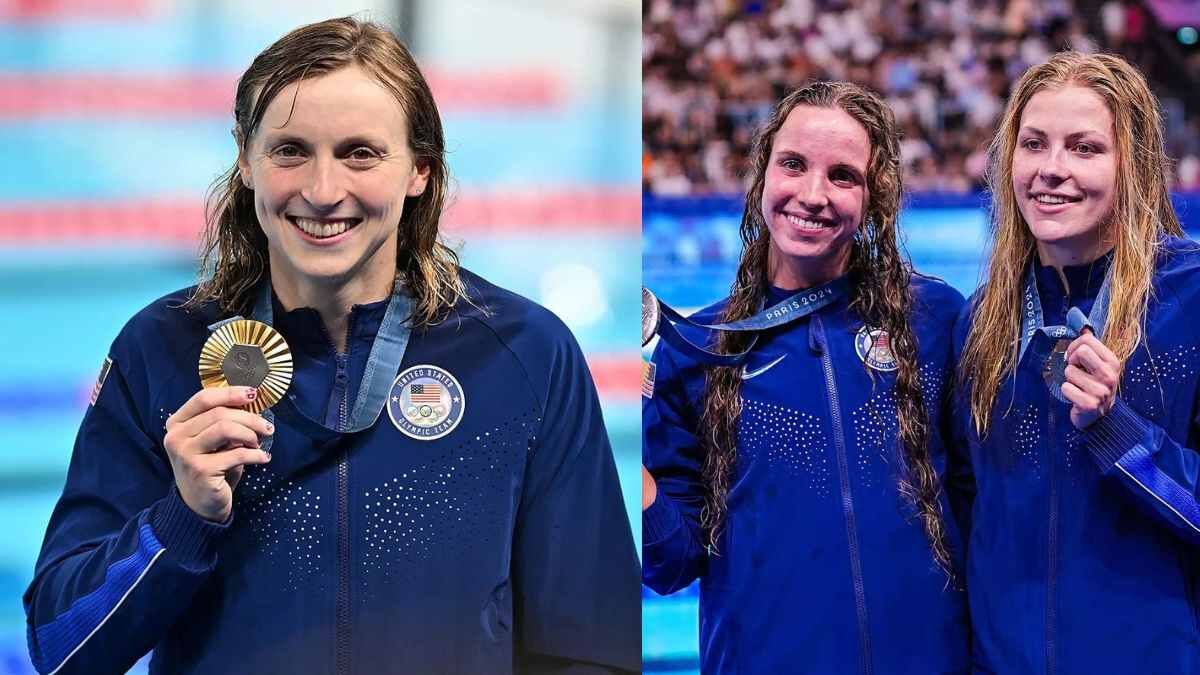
<point x="283" y="137"/>
<point x="363" y="140"/>
<point x="1073" y="136"/>
<point x="352" y="141"/>
<point x="792" y="154"/>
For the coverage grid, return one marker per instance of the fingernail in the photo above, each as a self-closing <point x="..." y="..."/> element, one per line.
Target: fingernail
<point x="270" y="428"/>
<point x="267" y="454"/>
<point x="251" y="394"/>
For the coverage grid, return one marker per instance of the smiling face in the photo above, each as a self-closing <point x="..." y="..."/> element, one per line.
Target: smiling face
<point x="1064" y="172"/>
<point x="814" y="194"/>
<point x="330" y="176"/>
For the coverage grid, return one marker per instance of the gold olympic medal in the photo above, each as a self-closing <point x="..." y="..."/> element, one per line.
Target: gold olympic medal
<point x="247" y="353"/>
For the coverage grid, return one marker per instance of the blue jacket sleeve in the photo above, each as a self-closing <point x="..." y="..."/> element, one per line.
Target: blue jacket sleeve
<point x="123" y="554"/>
<point x="577" y="597"/>
<point x="673" y="553"/>
<point x="1162" y="474"/>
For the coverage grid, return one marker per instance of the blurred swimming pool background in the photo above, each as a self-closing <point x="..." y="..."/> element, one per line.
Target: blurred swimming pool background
<point x="115" y="116"/>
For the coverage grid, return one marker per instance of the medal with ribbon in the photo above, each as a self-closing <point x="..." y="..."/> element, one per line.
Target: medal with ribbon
<point x="659" y="318"/>
<point x="387" y="352"/>
<point x="1055" y="365"/>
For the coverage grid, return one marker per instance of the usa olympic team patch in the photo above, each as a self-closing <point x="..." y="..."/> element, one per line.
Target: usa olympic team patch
<point x="874" y="347"/>
<point x="426" y="402"/>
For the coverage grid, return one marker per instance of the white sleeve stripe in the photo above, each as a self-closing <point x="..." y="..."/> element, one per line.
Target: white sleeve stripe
<point x="111" y="612"/>
<point x="1160" y="499"/>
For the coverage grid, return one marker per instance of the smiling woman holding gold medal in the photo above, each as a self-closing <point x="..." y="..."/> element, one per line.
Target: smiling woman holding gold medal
<point x="476" y="526"/>
<point x="795" y="470"/>
<point x="1078" y="403"/>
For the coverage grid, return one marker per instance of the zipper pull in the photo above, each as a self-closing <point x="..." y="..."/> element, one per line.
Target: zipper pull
<point x="341" y="362"/>
<point x="816" y="336"/>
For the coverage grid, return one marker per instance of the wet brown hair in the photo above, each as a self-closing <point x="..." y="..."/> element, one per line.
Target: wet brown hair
<point x="880" y="296"/>
<point x="234" y="249"/>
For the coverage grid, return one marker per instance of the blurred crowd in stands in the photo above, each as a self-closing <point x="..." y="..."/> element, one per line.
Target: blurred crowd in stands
<point x="713" y="69"/>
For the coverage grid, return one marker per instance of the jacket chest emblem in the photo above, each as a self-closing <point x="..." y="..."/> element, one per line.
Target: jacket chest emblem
<point x="426" y="402"/>
<point x="874" y="347"/>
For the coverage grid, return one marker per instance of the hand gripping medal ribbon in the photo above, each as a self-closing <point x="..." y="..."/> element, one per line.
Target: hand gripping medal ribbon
<point x="247" y="353"/>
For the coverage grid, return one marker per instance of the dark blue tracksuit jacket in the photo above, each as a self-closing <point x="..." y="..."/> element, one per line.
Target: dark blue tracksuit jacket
<point x="821" y="567"/>
<point x="503" y="546"/>
<point x="1082" y="555"/>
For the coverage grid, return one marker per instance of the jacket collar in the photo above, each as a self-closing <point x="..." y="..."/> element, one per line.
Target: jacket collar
<point x="303" y="329"/>
<point x="1083" y="281"/>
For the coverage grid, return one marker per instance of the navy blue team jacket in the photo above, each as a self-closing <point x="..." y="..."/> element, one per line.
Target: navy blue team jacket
<point x="1082" y="555"/>
<point x="503" y="546"/>
<point x="821" y="566"/>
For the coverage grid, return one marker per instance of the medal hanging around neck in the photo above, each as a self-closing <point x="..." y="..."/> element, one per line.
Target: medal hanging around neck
<point x="658" y="317"/>
<point x="383" y="364"/>
<point x="1055" y="365"/>
<point x="247" y="353"/>
<point x="1054" y="369"/>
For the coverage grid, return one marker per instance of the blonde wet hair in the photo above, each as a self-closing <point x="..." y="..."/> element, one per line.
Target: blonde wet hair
<point x="1141" y="218"/>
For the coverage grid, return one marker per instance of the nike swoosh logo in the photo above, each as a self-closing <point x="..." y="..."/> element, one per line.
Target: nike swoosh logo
<point x="747" y="373"/>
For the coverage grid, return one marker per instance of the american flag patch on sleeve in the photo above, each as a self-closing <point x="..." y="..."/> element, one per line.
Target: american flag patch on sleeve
<point x="648" y="369"/>
<point x="100" y="380"/>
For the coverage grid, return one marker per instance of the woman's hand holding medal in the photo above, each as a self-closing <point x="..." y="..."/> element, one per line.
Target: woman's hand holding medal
<point x="208" y="441"/>
<point x="1092" y="375"/>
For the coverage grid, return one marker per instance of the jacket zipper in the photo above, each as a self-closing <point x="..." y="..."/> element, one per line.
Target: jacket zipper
<point x="343" y="538"/>
<point x="341" y="390"/>
<point x="835" y="411"/>
<point x="1052" y="547"/>
<point x="1052" y="530"/>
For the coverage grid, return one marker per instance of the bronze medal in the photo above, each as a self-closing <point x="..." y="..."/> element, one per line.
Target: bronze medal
<point x="245" y="353"/>
<point x="1054" y="370"/>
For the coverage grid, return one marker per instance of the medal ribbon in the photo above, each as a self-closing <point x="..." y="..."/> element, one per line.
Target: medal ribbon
<point x="796" y="307"/>
<point x="387" y="352"/>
